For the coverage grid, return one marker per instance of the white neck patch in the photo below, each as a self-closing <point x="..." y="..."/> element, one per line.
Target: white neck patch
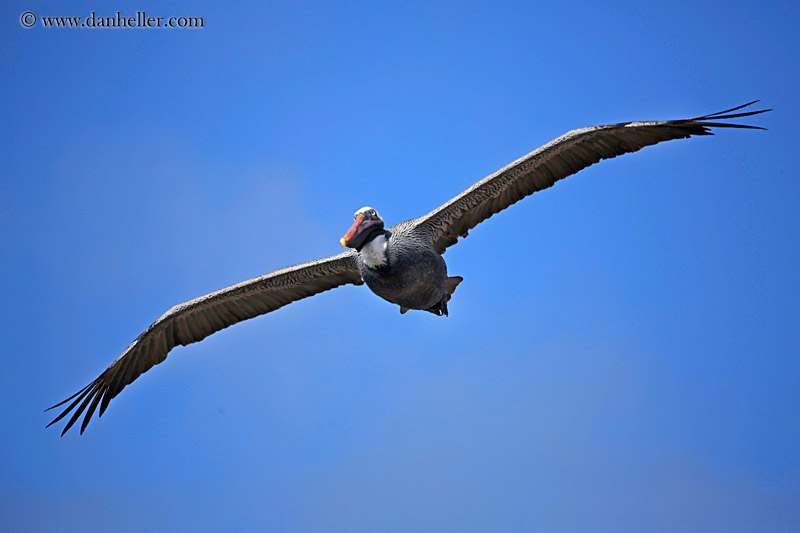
<point x="374" y="252"/>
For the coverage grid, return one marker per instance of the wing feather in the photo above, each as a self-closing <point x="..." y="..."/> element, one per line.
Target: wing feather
<point x="196" y="319"/>
<point x="556" y="160"/>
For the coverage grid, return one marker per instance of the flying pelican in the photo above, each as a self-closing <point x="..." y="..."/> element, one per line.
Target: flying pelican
<point x="402" y="264"/>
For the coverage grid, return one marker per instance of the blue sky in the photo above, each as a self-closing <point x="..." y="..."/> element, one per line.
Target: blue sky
<point x="621" y="356"/>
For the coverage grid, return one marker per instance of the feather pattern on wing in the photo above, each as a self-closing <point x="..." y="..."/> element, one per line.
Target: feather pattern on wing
<point x="556" y="160"/>
<point x="196" y="319"/>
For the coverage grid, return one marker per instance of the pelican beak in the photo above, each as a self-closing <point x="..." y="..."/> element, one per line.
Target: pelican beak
<point x="364" y="226"/>
<point x="357" y="227"/>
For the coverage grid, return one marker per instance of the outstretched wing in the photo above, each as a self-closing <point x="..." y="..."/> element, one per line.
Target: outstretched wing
<point x="196" y="319"/>
<point x="558" y="159"/>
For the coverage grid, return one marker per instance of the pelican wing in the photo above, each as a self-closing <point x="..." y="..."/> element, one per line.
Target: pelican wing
<point x="556" y="160"/>
<point x="196" y="319"/>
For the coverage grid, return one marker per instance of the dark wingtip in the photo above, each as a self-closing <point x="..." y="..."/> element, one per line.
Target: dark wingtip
<point x="727" y="125"/>
<point x="728" y="113"/>
<point x="732" y="109"/>
<point x="84" y="396"/>
<point x="68" y="399"/>
<point x="709" y="121"/>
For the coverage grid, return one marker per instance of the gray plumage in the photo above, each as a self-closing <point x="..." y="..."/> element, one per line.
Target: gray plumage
<point x="196" y="319"/>
<point x="415" y="274"/>
<point x="556" y="160"/>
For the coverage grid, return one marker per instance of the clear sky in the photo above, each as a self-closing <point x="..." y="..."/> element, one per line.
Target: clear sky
<point x="623" y="354"/>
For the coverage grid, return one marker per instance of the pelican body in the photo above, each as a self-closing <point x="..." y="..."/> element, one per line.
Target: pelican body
<point x="402" y="264"/>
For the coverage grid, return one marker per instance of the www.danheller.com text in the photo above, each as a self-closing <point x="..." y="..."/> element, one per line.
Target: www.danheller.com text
<point x="141" y="20"/>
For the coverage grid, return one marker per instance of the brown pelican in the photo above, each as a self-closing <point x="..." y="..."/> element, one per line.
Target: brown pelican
<point x="402" y="264"/>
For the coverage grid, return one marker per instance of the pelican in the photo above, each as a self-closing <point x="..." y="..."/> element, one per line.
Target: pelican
<point x="402" y="264"/>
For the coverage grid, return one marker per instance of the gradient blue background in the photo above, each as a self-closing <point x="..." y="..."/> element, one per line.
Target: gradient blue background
<point x="622" y="354"/>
